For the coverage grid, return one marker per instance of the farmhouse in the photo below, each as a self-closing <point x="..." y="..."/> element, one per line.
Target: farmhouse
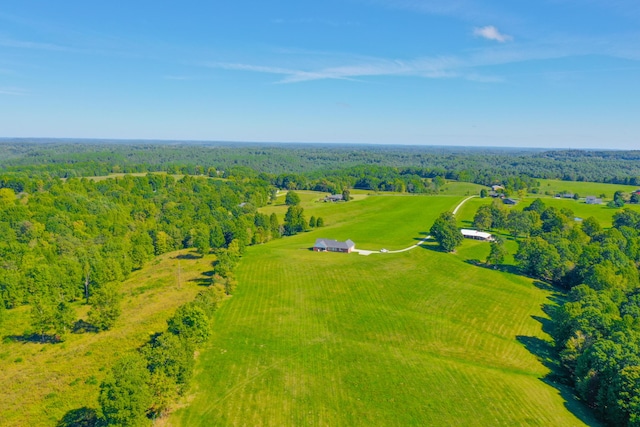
<point x="593" y="200"/>
<point x="497" y="187"/>
<point x="476" y="235"/>
<point x="329" y="245"/>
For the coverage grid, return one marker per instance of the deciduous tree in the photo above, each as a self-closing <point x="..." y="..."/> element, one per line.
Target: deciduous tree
<point x="125" y="395"/>
<point x="445" y="231"/>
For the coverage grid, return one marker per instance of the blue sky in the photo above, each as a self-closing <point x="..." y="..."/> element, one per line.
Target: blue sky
<point x="544" y="73"/>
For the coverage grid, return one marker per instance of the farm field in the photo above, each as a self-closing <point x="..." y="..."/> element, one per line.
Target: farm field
<point x="416" y="338"/>
<point x="583" y="189"/>
<point x="41" y="382"/>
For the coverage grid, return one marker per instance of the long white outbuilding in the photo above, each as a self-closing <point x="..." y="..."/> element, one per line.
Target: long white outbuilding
<point x="476" y="235"/>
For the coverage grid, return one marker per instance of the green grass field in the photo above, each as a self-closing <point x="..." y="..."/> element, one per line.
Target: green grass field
<point x="416" y="338"/>
<point x="41" y="382"/>
<point x="583" y="189"/>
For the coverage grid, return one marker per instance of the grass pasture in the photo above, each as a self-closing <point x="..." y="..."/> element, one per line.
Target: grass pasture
<point x="583" y="189"/>
<point x="416" y="338"/>
<point x="42" y="382"/>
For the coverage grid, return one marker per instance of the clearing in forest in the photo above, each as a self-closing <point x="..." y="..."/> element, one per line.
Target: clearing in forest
<point x="418" y="338"/>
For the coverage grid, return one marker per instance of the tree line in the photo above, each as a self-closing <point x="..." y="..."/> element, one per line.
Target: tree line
<point x="322" y="165"/>
<point x="79" y="239"/>
<point x="596" y="330"/>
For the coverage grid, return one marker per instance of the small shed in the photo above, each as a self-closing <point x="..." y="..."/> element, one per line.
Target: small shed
<point x="509" y="201"/>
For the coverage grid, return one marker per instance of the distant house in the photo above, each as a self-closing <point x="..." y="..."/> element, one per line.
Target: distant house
<point x="329" y="245"/>
<point x="593" y="200"/>
<point x="494" y="194"/>
<point x="637" y="191"/>
<point x="509" y="201"/>
<point x="333" y="198"/>
<point x="567" y="195"/>
<point x="497" y="187"/>
<point x="476" y="235"/>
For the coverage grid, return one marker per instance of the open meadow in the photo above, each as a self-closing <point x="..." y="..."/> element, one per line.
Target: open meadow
<point x="415" y="338"/>
<point x="583" y="189"/>
<point x="42" y="382"/>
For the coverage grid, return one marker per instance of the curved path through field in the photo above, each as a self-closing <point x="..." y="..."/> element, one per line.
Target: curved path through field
<point x="368" y="252"/>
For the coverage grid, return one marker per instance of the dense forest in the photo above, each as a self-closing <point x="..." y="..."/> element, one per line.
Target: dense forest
<point x="313" y="161"/>
<point x="71" y="239"/>
<point x="597" y="329"/>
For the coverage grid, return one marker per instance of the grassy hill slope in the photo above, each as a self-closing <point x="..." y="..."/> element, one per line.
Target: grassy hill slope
<point x="416" y="338"/>
<point x="41" y="382"/>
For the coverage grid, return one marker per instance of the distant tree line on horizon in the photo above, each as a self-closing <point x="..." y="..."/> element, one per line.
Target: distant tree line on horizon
<point x="317" y="162"/>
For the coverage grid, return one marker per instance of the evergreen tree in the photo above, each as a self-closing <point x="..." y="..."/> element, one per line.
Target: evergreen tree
<point x="294" y="221"/>
<point x="319" y="222"/>
<point x="312" y="222"/>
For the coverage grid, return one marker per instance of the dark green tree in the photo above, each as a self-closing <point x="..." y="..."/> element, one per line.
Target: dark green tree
<point x="191" y="323"/>
<point x="539" y="259"/>
<point x="274" y="225"/>
<point x="105" y="307"/>
<point x="319" y="222"/>
<point x="536" y="206"/>
<point x="63" y="320"/>
<point x="125" y="395"/>
<point x="312" y="222"/>
<point x="483" y="218"/>
<point x="445" y="231"/>
<point x="591" y="226"/>
<point x="497" y="252"/>
<point x="346" y="195"/>
<point x="294" y="221"/>
<point x="292" y="199"/>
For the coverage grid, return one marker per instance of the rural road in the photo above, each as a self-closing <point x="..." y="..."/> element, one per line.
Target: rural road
<point x="368" y="252"/>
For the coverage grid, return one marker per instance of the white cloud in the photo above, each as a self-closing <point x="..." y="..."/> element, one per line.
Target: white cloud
<point x="433" y="68"/>
<point x="491" y="33"/>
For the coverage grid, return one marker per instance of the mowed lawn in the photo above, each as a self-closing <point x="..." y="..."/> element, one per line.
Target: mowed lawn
<point x="416" y="338"/>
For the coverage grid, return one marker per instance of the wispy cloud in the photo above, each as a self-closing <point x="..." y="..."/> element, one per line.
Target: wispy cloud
<point x="22" y="44"/>
<point x="13" y="91"/>
<point x="491" y="33"/>
<point x="469" y="65"/>
<point x="434" y="68"/>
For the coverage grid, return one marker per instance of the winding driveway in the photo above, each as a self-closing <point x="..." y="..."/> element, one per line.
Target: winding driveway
<point x="367" y="252"/>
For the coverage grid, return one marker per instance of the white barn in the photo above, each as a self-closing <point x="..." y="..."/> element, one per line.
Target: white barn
<point x="476" y="235"/>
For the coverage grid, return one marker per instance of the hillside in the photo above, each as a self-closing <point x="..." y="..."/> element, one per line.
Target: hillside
<point x="418" y="338"/>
